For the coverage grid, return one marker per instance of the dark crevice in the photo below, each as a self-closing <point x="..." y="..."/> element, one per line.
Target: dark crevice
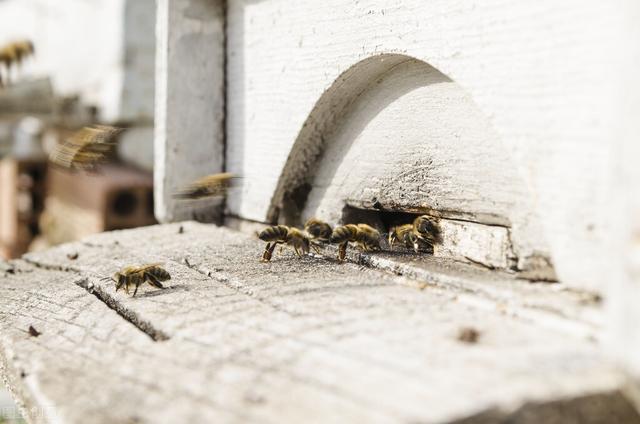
<point x="383" y="219"/>
<point x="603" y="407"/>
<point x="130" y="316"/>
<point x="224" y="279"/>
<point x="142" y="325"/>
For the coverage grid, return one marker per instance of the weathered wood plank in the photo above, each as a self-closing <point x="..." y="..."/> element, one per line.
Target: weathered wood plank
<point x="295" y="339"/>
<point x="189" y="115"/>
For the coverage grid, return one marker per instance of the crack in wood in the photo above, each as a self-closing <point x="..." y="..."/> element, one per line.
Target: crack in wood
<point x="224" y="279"/>
<point x="142" y="325"/>
<point x="128" y="315"/>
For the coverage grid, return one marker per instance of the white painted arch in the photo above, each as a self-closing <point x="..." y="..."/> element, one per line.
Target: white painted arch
<point x="395" y="132"/>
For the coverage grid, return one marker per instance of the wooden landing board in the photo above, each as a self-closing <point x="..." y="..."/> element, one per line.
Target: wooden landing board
<point x="297" y="340"/>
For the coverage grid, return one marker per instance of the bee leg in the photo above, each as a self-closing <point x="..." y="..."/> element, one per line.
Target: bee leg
<point x="297" y="251"/>
<point x="151" y="279"/>
<point x="266" y="255"/>
<point x="342" y="251"/>
<point x="136" y="290"/>
<point x="126" y="288"/>
<point x="315" y="247"/>
<point x="268" y="252"/>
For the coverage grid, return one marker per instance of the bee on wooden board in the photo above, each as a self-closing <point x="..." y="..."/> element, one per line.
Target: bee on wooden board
<point x="281" y="234"/>
<point x="319" y="232"/>
<point x="209" y="186"/>
<point x="364" y="236"/>
<point x="86" y="148"/>
<point x="424" y="230"/>
<point x="130" y="276"/>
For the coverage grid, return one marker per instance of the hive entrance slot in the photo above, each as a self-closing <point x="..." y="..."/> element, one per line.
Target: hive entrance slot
<point x="381" y="220"/>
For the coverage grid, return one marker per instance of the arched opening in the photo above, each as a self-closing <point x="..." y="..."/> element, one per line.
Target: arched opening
<point x="395" y="135"/>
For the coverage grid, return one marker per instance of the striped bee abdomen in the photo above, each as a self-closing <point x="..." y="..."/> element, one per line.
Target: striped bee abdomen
<point x="274" y="233"/>
<point x="318" y="230"/>
<point x="160" y="273"/>
<point x="344" y="233"/>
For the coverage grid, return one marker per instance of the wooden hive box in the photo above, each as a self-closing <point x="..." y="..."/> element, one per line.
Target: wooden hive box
<point x="503" y="119"/>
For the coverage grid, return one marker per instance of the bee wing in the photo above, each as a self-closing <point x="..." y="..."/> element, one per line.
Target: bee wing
<point x="153" y="280"/>
<point x="209" y="186"/>
<point x="157" y="271"/>
<point x="86" y="147"/>
<point x="146" y="267"/>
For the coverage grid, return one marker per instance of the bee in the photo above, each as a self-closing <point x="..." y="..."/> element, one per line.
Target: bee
<point x="86" y="148"/>
<point x="211" y="185"/>
<point x="468" y="335"/>
<point x="23" y="49"/>
<point x="129" y="276"/>
<point x="33" y="332"/>
<point x="8" y="56"/>
<point x="319" y="232"/>
<point x="424" y="230"/>
<point x="281" y="234"/>
<point x="363" y="235"/>
<point x="15" y="52"/>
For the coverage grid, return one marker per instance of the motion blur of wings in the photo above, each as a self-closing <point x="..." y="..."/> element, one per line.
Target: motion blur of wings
<point x="16" y="52"/>
<point x="209" y="186"/>
<point x="13" y="54"/>
<point x="86" y="148"/>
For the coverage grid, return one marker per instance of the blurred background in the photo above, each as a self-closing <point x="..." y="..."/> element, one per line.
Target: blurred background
<point x="92" y="62"/>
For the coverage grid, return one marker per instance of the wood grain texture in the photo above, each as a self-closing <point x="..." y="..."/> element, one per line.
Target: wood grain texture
<point x="296" y="339"/>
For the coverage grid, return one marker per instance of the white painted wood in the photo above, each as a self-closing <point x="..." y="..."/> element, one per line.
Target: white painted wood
<point x="294" y="340"/>
<point x="624" y="293"/>
<point x="189" y="103"/>
<point x="443" y="157"/>
<point x="542" y="75"/>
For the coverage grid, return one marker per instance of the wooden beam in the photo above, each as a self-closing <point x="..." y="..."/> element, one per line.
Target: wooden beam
<point x="189" y="119"/>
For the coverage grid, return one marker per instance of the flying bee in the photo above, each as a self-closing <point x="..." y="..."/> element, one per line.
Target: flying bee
<point x="138" y="275"/>
<point x="319" y="232"/>
<point x="86" y="148"/>
<point x="23" y="49"/>
<point x="8" y="56"/>
<point x="211" y="185"/>
<point x="424" y="230"/>
<point x="281" y="234"/>
<point x="364" y="236"/>
<point x="15" y="52"/>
